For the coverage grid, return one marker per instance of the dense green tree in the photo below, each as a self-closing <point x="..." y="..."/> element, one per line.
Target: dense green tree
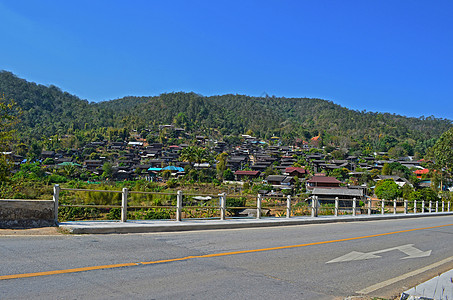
<point x="426" y="194"/>
<point x="387" y="189"/>
<point x="8" y="118"/>
<point x="340" y="173"/>
<point x="442" y="154"/>
<point x="107" y="170"/>
<point x="221" y="164"/>
<point x="386" y="169"/>
<point x="228" y="174"/>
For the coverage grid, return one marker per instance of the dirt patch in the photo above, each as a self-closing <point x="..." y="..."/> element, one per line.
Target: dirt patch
<point x="33" y="231"/>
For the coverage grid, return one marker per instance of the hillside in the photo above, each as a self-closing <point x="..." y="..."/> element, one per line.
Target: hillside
<point x="48" y="111"/>
<point x="288" y="118"/>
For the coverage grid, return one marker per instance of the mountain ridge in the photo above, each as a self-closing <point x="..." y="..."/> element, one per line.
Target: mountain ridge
<point x="48" y="110"/>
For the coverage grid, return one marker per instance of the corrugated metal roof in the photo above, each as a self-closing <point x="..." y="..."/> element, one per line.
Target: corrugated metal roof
<point x="337" y="192"/>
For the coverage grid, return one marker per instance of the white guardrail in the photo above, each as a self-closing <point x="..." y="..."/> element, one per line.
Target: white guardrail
<point x="316" y="206"/>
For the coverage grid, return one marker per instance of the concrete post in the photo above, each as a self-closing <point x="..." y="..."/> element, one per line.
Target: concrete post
<point x="405" y="207"/>
<point x="415" y="206"/>
<point x="369" y="207"/>
<point x="288" y="206"/>
<point x="423" y="206"/>
<point x="178" y="205"/>
<point x="430" y="206"/>
<point x="437" y="206"/>
<point x="222" y="206"/>
<point x="124" y="205"/>
<point x="314" y="206"/>
<point x="394" y="206"/>
<point x="443" y="205"/>
<point x="382" y="207"/>
<point x="56" y="197"/>
<point x="354" y="207"/>
<point x="337" y="204"/>
<point x="258" y="206"/>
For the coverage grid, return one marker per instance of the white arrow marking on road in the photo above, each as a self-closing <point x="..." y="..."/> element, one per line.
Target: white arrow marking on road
<point x="408" y="249"/>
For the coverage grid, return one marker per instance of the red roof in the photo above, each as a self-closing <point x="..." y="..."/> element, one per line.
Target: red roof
<point x="248" y="173"/>
<point x="421" y="172"/>
<point x="324" y="179"/>
<point x="292" y="169"/>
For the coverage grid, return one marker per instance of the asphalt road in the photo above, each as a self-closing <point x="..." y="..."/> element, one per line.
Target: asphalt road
<point x="325" y="261"/>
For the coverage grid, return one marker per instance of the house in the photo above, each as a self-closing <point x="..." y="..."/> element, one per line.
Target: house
<point x="235" y="163"/>
<point x="420" y="173"/>
<point x="241" y="175"/>
<point x="322" y="182"/>
<point x="93" y="164"/>
<point x="157" y="163"/>
<point x="398" y="180"/>
<point x="48" y="154"/>
<point x="280" y="180"/>
<point x="295" y="171"/>
<point x="120" y="175"/>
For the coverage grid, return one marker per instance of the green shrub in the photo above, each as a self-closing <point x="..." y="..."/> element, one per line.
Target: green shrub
<point x="114" y="214"/>
<point x="55" y="178"/>
<point x="77" y="213"/>
<point x="235" y="202"/>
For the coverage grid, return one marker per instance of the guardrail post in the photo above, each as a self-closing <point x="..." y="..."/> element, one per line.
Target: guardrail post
<point x="448" y="206"/>
<point x="415" y="206"/>
<point x="222" y="199"/>
<point x="430" y="205"/>
<point x="443" y="205"/>
<point x="437" y="206"/>
<point x="394" y="206"/>
<point x="258" y="206"/>
<point x="337" y="204"/>
<point x="56" y="197"/>
<point x="288" y="206"/>
<point x="383" y="206"/>
<point x="124" y="205"/>
<point x="314" y="206"/>
<point x="369" y="207"/>
<point x="405" y="207"/>
<point x="178" y="205"/>
<point x="354" y="207"/>
<point x="423" y="206"/>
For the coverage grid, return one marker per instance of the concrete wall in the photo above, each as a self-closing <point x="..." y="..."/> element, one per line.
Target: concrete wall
<point x="26" y="213"/>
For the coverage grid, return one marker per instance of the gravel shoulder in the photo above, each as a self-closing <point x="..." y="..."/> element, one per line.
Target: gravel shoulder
<point x="32" y="231"/>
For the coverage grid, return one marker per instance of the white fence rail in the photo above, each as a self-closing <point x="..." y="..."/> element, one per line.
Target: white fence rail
<point x="286" y="206"/>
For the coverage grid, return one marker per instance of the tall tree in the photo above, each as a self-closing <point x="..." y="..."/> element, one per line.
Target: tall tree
<point x="9" y="113"/>
<point x="442" y="154"/>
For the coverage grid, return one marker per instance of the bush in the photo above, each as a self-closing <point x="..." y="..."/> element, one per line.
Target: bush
<point x="151" y="214"/>
<point x="156" y="213"/>
<point x="114" y="214"/>
<point x="235" y="202"/>
<point x="55" y="178"/>
<point x="172" y="183"/>
<point x="77" y="213"/>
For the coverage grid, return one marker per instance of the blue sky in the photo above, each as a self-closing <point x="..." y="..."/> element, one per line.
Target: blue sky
<point x="386" y="56"/>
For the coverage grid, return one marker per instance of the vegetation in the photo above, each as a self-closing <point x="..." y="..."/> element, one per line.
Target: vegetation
<point x="44" y="118"/>
<point x="51" y="113"/>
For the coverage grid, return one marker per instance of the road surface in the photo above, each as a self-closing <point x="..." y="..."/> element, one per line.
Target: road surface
<point x="323" y="261"/>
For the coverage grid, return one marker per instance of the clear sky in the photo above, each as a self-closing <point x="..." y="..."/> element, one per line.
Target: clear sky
<point x="387" y="56"/>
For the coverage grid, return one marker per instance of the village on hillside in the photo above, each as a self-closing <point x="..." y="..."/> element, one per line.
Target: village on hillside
<point x="307" y="168"/>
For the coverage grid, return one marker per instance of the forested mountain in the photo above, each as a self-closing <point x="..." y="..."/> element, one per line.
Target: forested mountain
<point x="48" y="111"/>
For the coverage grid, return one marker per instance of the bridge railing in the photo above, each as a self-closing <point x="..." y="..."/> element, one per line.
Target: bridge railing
<point x="126" y="204"/>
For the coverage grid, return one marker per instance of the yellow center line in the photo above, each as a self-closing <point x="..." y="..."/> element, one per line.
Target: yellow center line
<point x="113" y="266"/>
